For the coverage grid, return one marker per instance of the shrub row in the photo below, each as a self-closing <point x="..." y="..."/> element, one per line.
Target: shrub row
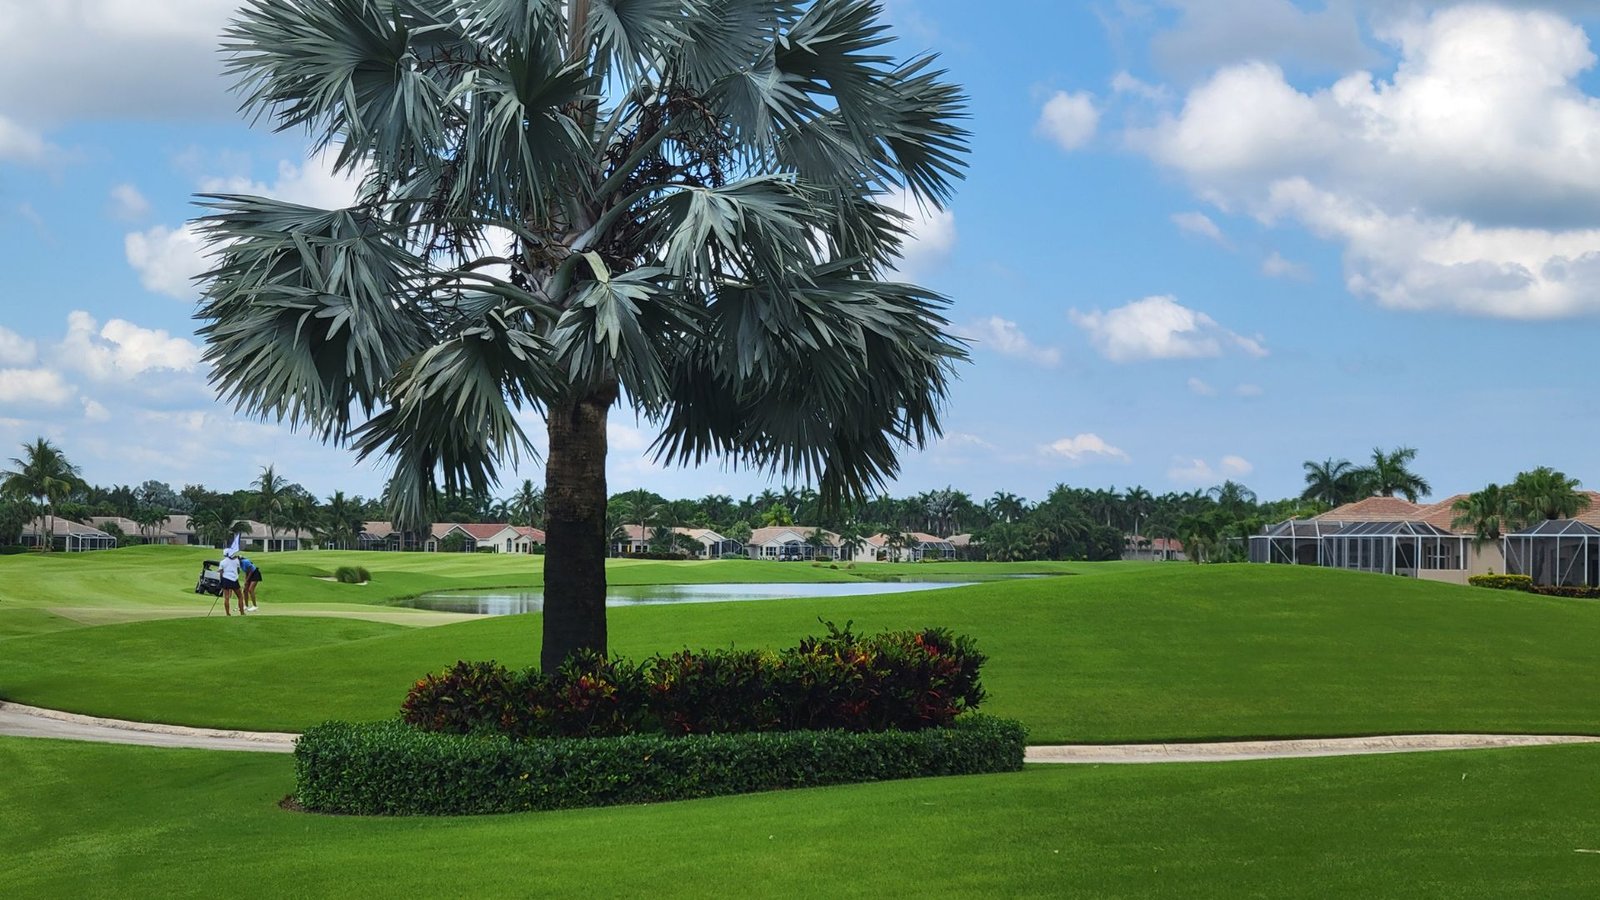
<point x="675" y="556"/>
<point x="1525" y="584"/>
<point x="352" y="575"/>
<point x="390" y="768"/>
<point x="1502" y="582"/>
<point x="901" y="680"/>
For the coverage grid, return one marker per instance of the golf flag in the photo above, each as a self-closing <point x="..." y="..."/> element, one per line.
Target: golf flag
<point x="235" y="545"/>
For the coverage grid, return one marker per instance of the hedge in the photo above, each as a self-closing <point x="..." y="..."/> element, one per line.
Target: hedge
<point x="1502" y="582"/>
<point x="390" y="768"/>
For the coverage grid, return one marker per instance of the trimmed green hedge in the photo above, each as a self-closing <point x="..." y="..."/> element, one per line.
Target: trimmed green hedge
<point x="1502" y="582"/>
<point x="352" y="575"/>
<point x="390" y="768"/>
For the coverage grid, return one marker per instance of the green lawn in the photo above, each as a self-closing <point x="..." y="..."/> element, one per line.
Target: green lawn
<point x="1132" y="653"/>
<point x="86" y="820"/>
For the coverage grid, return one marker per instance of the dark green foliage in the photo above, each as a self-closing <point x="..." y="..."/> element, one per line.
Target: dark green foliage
<point x="352" y="575"/>
<point x="1502" y="582"/>
<point x="894" y="681"/>
<point x="1577" y="591"/>
<point x="673" y="555"/>
<point x="390" y="768"/>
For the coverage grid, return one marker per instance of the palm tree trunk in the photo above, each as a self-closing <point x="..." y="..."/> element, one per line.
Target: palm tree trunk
<point x="575" y="523"/>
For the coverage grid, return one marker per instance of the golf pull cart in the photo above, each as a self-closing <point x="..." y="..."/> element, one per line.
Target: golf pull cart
<point x="210" y="579"/>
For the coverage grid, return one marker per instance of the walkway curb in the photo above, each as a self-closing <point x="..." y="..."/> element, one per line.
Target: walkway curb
<point x="19" y="720"/>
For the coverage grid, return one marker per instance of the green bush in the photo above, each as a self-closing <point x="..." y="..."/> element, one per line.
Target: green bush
<point x="896" y="680"/>
<point x="1578" y="591"/>
<point x="1502" y="582"/>
<point x="668" y="556"/>
<point x="11" y="549"/>
<point x="352" y="575"/>
<point x="390" y="768"/>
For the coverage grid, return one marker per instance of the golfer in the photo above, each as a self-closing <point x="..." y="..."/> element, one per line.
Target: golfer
<point x="252" y="577"/>
<point x="229" y="570"/>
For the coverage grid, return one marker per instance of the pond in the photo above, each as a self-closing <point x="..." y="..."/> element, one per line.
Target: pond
<point x="510" y="602"/>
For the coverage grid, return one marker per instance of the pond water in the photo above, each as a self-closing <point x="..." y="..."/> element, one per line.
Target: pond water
<point x="510" y="602"/>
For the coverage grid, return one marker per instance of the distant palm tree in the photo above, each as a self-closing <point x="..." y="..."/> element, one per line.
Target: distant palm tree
<point x="1390" y="474"/>
<point x="1138" y="503"/>
<point x="342" y="520"/>
<point x="852" y="537"/>
<point x="1333" y="482"/>
<point x="1234" y="498"/>
<point x="1006" y="507"/>
<point x="269" y="499"/>
<point x="42" y="474"/>
<point x="1544" y="493"/>
<point x="527" y="504"/>
<point x="1483" y="512"/>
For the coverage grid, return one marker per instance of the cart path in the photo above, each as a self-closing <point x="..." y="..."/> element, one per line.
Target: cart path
<point x="19" y="720"/>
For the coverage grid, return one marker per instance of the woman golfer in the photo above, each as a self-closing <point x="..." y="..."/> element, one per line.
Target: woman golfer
<point x="229" y="570"/>
<point x="252" y="577"/>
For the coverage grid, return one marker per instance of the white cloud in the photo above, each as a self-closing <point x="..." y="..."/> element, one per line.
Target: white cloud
<point x="1198" y="471"/>
<point x="20" y="144"/>
<point x="16" y="350"/>
<point x="1069" y="119"/>
<point x="1160" y="328"/>
<point x="168" y="260"/>
<point x="1006" y="338"/>
<point x="33" y="387"/>
<point x="1248" y="390"/>
<point x="1212" y="32"/>
<point x="1463" y="182"/>
<point x="95" y="411"/>
<point x="75" y="59"/>
<point x="932" y="234"/>
<point x="1199" y="224"/>
<point x="121" y="349"/>
<point x="312" y="183"/>
<point x="1275" y="266"/>
<point x="1082" y="448"/>
<point x="128" y="204"/>
<point x="1201" y="388"/>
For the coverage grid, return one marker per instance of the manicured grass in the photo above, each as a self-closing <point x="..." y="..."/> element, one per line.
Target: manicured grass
<point x="1136" y="653"/>
<point x="86" y="820"/>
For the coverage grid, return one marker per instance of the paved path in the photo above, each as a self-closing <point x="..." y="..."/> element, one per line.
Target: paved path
<point x="31" y="721"/>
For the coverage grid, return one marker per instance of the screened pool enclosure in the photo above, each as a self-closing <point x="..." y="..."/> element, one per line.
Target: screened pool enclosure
<point x="1395" y="548"/>
<point x="1555" y="552"/>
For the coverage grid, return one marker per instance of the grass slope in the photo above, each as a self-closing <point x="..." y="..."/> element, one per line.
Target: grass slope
<point x="1135" y="653"/>
<point x="88" y="820"/>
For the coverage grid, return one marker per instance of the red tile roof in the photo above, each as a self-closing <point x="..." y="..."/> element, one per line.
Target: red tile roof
<point x="1373" y="509"/>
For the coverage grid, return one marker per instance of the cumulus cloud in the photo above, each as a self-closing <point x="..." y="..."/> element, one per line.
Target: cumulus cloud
<point x="1082" y="448"/>
<point x="19" y="144"/>
<point x="1202" y="388"/>
<point x="1275" y="266"/>
<point x="1200" y="225"/>
<point x="95" y="411"/>
<point x="33" y="387"/>
<point x="932" y="234"/>
<point x="168" y="260"/>
<point x="128" y="204"/>
<point x="1161" y="328"/>
<point x="1069" y="119"/>
<point x="1004" y="337"/>
<point x="121" y="350"/>
<point x="16" y="350"/>
<point x="1199" y="471"/>
<point x="1462" y="182"/>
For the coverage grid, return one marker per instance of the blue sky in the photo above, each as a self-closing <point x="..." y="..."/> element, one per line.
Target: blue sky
<point x="1200" y="239"/>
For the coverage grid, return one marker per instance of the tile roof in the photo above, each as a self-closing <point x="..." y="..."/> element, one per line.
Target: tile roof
<point x="773" y="532"/>
<point x="1372" y="509"/>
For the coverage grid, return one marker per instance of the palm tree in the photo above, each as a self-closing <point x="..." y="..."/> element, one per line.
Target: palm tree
<point x="1138" y="503"/>
<point x="342" y="519"/>
<point x="44" y="476"/>
<point x="527" y="504"/>
<point x="1233" y="498"/>
<point x="567" y="203"/>
<point x="1006" y="507"/>
<point x="269" y="499"/>
<point x="1334" y="482"/>
<point x="852" y="537"/>
<point x="1484" y="512"/>
<point x="1544" y="493"/>
<point x="1390" y="474"/>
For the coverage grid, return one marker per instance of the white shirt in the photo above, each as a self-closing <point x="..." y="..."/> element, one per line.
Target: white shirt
<point x="229" y="568"/>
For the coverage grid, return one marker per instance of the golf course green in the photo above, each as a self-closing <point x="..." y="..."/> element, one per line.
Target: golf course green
<point x="1104" y="653"/>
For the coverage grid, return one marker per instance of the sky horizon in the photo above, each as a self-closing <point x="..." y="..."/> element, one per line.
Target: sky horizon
<point x="1199" y="240"/>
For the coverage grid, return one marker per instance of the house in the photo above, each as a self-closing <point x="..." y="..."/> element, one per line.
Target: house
<point x="181" y="526"/>
<point x="514" y="539"/>
<point x="1149" y="549"/>
<point x="261" y="538"/>
<point x="630" y="539"/>
<point x="155" y="534"/>
<point x="65" y="534"/>
<point x="1383" y="534"/>
<point x="914" y="546"/>
<point x="791" y="542"/>
<point x="712" y="544"/>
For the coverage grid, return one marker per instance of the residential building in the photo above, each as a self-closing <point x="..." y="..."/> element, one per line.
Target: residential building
<point x="65" y="534"/>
